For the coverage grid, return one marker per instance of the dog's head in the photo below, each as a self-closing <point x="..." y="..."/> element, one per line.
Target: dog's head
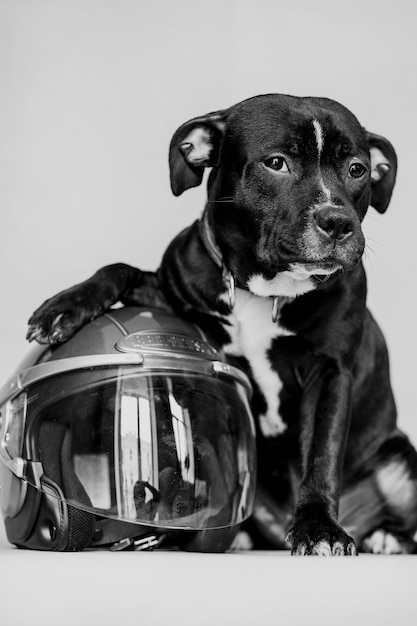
<point x="291" y="181"/>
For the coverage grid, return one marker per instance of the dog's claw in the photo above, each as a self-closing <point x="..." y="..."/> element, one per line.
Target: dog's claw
<point x="42" y="337"/>
<point x="36" y="334"/>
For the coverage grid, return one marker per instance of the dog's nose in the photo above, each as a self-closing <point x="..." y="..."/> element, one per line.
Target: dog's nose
<point x="334" y="222"/>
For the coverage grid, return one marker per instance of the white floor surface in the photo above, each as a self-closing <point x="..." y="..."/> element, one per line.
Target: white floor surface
<point x="180" y="589"/>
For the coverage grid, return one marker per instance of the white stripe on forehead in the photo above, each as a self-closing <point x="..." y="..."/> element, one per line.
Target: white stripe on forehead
<point x="318" y="131"/>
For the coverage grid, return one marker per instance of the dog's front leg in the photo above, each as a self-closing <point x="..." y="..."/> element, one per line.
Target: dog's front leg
<point x="58" y="318"/>
<point x="325" y="419"/>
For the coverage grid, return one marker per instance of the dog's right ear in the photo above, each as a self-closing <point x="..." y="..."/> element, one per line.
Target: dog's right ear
<point x="383" y="171"/>
<point x="195" y="145"/>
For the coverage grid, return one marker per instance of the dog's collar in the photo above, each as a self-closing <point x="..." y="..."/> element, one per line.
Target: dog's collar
<point x="216" y="256"/>
<point x="209" y="241"/>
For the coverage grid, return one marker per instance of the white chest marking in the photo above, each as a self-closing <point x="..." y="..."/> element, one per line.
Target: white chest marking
<point x="319" y="134"/>
<point x="289" y="284"/>
<point x="251" y="333"/>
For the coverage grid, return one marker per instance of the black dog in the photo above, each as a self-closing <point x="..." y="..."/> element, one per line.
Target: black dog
<point x="273" y="274"/>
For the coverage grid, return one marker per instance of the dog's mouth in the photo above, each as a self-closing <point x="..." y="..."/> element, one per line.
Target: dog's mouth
<point x="321" y="271"/>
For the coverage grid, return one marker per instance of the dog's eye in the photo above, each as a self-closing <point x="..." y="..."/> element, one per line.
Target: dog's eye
<point x="277" y="163"/>
<point x="356" y="170"/>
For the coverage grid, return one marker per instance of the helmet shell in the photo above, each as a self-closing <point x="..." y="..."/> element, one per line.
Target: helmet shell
<point x="105" y="334"/>
<point x="48" y="401"/>
<point x="133" y="330"/>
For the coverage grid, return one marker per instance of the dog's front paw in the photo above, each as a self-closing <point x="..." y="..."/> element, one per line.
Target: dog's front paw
<point x="320" y="539"/>
<point x="59" y="318"/>
<point x="51" y="325"/>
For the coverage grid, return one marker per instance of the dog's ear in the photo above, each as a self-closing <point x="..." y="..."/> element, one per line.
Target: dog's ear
<point x="383" y="171"/>
<point x="195" y="145"/>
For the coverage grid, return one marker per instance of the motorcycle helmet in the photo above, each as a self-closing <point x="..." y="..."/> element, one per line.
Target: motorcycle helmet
<point x="133" y="432"/>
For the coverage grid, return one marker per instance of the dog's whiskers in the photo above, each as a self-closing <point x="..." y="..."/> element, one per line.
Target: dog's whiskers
<point x="379" y="243"/>
<point x="368" y="253"/>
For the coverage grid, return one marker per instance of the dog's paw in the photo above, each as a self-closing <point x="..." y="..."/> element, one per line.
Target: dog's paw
<point x="58" y="319"/>
<point x="51" y="326"/>
<point x="327" y="539"/>
<point x="383" y="542"/>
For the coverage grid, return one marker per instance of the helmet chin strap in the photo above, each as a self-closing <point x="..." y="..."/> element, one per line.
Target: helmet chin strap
<point x="228" y="278"/>
<point x="148" y="541"/>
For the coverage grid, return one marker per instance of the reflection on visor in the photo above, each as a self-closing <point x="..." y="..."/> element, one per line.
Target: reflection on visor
<point x="165" y="450"/>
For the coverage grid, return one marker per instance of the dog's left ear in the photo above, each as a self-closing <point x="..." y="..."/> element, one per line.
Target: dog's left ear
<point x="383" y="171"/>
<point x="195" y="146"/>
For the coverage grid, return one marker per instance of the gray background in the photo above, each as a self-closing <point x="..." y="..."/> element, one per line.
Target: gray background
<point x="92" y="91"/>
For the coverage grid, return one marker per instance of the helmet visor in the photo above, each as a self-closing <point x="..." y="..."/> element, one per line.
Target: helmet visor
<point x="171" y="450"/>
